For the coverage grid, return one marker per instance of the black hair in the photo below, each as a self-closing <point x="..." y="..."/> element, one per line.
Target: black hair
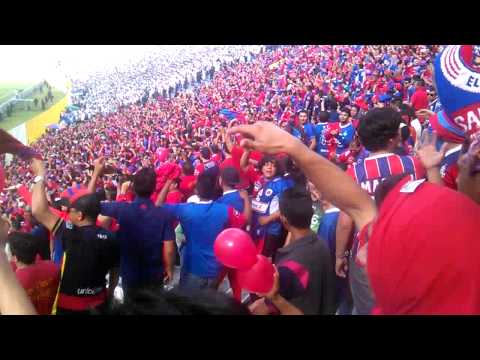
<point x="406" y="110"/>
<point x="206" y="186"/>
<point x="89" y="205"/>
<point x="323" y="116"/>
<point x="384" y="188"/>
<point x="346" y="110"/>
<point x="303" y="112"/>
<point x="420" y="82"/>
<point x="187" y="168"/>
<point x="23" y="246"/>
<point x="294" y="173"/>
<point x="205" y="153"/>
<point x="153" y="300"/>
<point x="296" y="206"/>
<point x="144" y="182"/>
<point x="377" y="127"/>
<point x="405" y="133"/>
<point x="269" y="159"/>
<point x="215" y="149"/>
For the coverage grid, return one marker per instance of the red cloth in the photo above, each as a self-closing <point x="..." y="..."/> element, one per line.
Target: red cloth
<point x="450" y="177"/>
<point x="174" y="197"/>
<point x="165" y="172"/>
<point x="8" y="144"/>
<point x="40" y="280"/>
<point x="420" y="99"/>
<point x="422" y="253"/>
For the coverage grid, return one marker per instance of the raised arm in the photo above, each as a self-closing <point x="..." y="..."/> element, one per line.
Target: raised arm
<point x="244" y="160"/>
<point x="162" y="196"/>
<point x="40" y="208"/>
<point x="97" y="172"/>
<point x="327" y="178"/>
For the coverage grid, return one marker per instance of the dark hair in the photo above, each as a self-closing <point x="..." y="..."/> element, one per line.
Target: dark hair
<point x="215" y="149"/>
<point x="156" y="301"/>
<point x="378" y="127"/>
<point x="24" y="246"/>
<point x="323" y="116"/>
<point x="205" y="153"/>
<point x="187" y="168"/>
<point x="384" y="188"/>
<point x="406" y="110"/>
<point x="303" y="112"/>
<point x="420" y="82"/>
<point x="346" y="110"/>
<point x="89" y="205"/>
<point x="206" y="186"/>
<point x="269" y="159"/>
<point x="294" y="173"/>
<point x="296" y="206"/>
<point x="144" y="182"/>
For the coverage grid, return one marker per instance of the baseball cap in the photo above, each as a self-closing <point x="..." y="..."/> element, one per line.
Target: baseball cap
<point x="73" y="193"/>
<point x="421" y="251"/>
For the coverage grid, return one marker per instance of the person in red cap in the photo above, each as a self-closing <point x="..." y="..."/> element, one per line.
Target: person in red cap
<point x="90" y="252"/>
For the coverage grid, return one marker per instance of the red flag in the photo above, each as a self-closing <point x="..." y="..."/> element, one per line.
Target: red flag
<point x="8" y="144"/>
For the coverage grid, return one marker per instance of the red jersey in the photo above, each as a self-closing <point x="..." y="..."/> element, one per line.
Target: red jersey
<point x="372" y="170"/>
<point x="40" y="280"/>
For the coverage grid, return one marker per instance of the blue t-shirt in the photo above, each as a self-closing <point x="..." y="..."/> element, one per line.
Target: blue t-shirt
<point x="266" y="203"/>
<point x="309" y="132"/>
<point x="201" y="223"/>
<point x="321" y="142"/>
<point x="345" y="137"/>
<point x="233" y="199"/>
<point x="328" y="228"/>
<point x="143" y="229"/>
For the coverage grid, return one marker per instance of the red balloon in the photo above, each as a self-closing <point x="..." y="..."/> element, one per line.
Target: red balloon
<point x="258" y="279"/>
<point x="235" y="249"/>
<point x="2" y="179"/>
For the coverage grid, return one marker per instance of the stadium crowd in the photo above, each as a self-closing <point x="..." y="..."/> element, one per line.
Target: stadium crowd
<point x="163" y="70"/>
<point x="330" y="157"/>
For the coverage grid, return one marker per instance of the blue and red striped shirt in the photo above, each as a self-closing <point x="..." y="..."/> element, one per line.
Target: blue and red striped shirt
<point x="372" y="170"/>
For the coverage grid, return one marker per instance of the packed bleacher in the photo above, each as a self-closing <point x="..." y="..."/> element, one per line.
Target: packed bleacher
<point x="316" y="160"/>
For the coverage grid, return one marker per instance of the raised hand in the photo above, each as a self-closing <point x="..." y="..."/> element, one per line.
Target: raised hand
<point x="265" y="137"/>
<point x="427" y="151"/>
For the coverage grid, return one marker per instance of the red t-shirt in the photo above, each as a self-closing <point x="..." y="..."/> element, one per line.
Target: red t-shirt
<point x="40" y="280"/>
<point x="420" y="99"/>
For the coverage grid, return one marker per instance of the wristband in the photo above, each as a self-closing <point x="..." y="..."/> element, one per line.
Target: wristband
<point x="346" y="254"/>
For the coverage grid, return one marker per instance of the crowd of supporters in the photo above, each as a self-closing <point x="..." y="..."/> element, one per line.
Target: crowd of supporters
<point x="330" y="157"/>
